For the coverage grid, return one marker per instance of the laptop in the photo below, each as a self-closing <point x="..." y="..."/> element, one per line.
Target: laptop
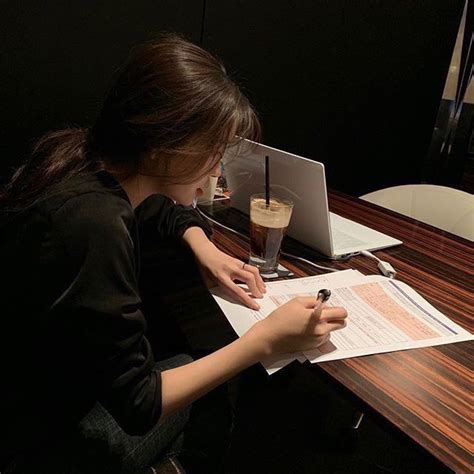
<point x="304" y="182"/>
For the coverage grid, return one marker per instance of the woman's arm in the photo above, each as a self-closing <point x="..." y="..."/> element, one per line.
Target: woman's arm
<point x="185" y="384"/>
<point x="297" y="325"/>
<point x="99" y="309"/>
<point x="159" y="218"/>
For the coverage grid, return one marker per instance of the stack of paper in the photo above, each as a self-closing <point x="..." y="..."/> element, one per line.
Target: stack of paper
<point x="383" y="316"/>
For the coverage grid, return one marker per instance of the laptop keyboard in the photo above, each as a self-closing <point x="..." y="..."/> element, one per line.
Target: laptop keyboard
<point x="341" y="240"/>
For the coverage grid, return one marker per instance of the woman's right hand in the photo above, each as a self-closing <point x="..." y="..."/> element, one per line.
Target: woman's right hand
<point x="298" y="325"/>
<point x="301" y="324"/>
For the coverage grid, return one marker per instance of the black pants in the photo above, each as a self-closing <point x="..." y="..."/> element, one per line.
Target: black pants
<point x="100" y="446"/>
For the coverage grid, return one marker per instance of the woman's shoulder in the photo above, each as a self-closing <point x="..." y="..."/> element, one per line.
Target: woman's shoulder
<point x="78" y="218"/>
<point x="81" y="204"/>
<point x="99" y="188"/>
<point x="88" y="218"/>
<point x="90" y="203"/>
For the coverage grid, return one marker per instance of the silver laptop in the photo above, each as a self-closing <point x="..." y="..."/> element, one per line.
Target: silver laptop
<point x="303" y="181"/>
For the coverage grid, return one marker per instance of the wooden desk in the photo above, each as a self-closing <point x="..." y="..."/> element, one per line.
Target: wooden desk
<point x="426" y="393"/>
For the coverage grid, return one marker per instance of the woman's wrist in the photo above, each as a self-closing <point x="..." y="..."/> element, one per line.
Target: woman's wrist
<point x="257" y="340"/>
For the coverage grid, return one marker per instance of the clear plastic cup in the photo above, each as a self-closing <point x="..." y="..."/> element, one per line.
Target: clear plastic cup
<point x="268" y="225"/>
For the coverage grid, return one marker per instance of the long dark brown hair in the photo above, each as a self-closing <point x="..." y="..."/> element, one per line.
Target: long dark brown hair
<point x="170" y="111"/>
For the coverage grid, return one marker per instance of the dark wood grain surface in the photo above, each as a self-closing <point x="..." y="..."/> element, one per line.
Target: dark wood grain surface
<point x="426" y="393"/>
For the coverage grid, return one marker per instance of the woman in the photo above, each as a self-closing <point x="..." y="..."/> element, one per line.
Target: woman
<point x="76" y="359"/>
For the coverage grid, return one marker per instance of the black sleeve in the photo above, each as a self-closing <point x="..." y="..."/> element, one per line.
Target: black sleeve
<point x="165" y="219"/>
<point x="103" y="308"/>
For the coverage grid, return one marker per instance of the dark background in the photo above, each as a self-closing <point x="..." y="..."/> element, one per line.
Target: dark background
<point x="356" y="85"/>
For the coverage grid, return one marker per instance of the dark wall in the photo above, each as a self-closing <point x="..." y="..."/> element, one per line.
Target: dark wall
<point x="355" y="84"/>
<point x="57" y="58"/>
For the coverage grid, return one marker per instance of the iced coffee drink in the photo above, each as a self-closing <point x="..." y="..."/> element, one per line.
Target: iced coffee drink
<point x="268" y="224"/>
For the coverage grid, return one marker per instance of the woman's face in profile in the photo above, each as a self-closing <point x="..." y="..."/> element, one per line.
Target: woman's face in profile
<point x="186" y="193"/>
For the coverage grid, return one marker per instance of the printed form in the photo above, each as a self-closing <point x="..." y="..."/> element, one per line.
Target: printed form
<point x="383" y="316"/>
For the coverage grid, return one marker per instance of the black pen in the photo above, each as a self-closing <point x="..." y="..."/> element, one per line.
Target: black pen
<point x="323" y="295"/>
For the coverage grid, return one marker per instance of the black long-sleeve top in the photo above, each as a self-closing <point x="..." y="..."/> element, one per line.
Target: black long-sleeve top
<point x="71" y="319"/>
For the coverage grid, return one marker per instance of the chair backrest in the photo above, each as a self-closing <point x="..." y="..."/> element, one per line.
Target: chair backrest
<point x="446" y="208"/>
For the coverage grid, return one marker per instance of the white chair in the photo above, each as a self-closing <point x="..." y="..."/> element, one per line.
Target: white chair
<point x="445" y="208"/>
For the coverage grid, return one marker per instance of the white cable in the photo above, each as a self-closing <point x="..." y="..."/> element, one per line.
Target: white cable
<point x="285" y="254"/>
<point x="366" y="253"/>
<point x="321" y="267"/>
<point x="384" y="267"/>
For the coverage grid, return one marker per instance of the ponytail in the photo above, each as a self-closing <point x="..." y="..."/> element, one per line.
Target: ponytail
<point x="56" y="156"/>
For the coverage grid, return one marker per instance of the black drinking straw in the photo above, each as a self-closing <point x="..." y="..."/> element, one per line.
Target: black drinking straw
<point x="267" y="181"/>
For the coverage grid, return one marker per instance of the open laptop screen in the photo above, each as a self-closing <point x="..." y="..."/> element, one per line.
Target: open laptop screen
<point x="302" y="181"/>
<point x="292" y="177"/>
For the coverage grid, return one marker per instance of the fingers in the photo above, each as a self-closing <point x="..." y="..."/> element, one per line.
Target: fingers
<point x="333" y="313"/>
<point x="322" y="311"/>
<point x="308" y="302"/>
<point x="258" y="279"/>
<point x="249" y="279"/>
<point x="315" y="308"/>
<point x="325" y="319"/>
<point x="327" y="327"/>
<point x="240" y="294"/>
<point x="251" y="276"/>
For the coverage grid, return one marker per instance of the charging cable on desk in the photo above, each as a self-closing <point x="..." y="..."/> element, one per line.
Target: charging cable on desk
<point x="285" y="254"/>
<point x="309" y="262"/>
<point x="384" y="267"/>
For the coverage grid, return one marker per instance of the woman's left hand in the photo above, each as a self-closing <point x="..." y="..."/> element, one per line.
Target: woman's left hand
<point x="220" y="269"/>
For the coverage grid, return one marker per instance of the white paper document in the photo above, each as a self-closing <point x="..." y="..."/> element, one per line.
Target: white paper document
<point x="383" y="316"/>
